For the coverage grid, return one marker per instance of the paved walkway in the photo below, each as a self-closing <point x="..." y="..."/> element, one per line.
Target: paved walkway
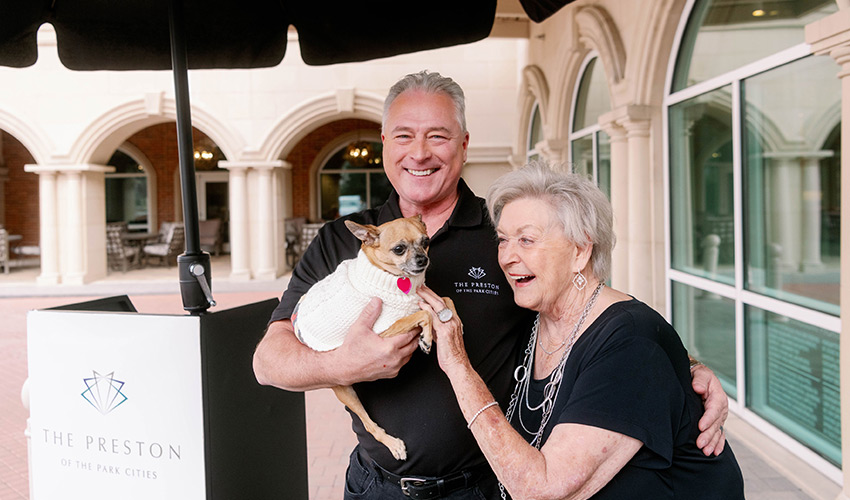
<point x="329" y="436"/>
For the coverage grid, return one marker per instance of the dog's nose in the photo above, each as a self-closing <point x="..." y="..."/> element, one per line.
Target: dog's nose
<point x="421" y="260"/>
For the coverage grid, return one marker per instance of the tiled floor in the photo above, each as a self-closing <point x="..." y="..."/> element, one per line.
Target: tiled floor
<point x="329" y="436"/>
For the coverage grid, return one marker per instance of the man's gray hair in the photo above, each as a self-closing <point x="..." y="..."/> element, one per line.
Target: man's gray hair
<point x="582" y="209"/>
<point x="433" y="83"/>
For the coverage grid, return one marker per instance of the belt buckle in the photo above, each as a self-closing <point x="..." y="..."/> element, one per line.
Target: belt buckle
<point x="414" y="481"/>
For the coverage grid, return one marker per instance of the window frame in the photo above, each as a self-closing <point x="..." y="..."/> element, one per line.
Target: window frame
<point x="737" y="293"/>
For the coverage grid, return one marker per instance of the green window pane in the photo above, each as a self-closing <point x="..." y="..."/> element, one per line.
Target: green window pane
<point x="722" y="35"/>
<point x="792" y="379"/>
<point x="592" y="100"/>
<point x="792" y="176"/>
<point x="127" y="200"/>
<point x="706" y="324"/>
<point x="603" y="162"/>
<point x="353" y="179"/>
<point x="582" y="156"/>
<point x="535" y="133"/>
<point x="701" y="177"/>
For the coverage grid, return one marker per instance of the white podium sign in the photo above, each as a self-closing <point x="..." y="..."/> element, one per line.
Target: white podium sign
<point x="116" y="406"/>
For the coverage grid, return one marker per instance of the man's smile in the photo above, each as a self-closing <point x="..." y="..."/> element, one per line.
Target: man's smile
<point x="422" y="173"/>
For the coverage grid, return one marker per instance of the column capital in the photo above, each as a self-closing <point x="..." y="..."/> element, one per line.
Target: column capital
<point x="553" y="149"/>
<point x="235" y="165"/>
<point x="67" y="167"/>
<point x="828" y="34"/>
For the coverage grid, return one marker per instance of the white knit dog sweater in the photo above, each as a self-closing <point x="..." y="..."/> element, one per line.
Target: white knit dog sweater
<point x="325" y="313"/>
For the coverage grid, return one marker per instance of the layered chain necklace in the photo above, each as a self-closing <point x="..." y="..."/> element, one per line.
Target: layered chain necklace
<point x="522" y="375"/>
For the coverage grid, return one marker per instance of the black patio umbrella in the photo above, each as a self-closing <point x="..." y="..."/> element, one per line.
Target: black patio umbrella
<point x="153" y="35"/>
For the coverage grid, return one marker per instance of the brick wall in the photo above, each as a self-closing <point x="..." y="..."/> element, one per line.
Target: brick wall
<point x="20" y="191"/>
<point x="304" y="154"/>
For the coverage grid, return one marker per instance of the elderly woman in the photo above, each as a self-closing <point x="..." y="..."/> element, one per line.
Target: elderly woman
<point x="603" y="406"/>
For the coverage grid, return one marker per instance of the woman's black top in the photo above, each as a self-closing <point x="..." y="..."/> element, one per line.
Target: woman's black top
<point x="629" y="373"/>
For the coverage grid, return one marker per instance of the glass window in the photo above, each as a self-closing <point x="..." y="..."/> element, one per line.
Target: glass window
<point x="590" y="146"/>
<point x="723" y="35"/>
<point x="701" y="186"/>
<point x="592" y="100"/>
<point x="792" y="236"/>
<point x="603" y="162"/>
<point x="792" y="379"/>
<point x="754" y="172"/>
<point x="353" y="179"/>
<point x="706" y="323"/>
<point x="582" y="156"/>
<point x="127" y="192"/>
<point x="535" y="134"/>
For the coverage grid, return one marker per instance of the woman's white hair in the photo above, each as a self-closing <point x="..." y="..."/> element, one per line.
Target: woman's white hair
<point x="583" y="210"/>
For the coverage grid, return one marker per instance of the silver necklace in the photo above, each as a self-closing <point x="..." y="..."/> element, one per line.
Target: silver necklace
<point x="553" y="351"/>
<point x="553" y="387"/>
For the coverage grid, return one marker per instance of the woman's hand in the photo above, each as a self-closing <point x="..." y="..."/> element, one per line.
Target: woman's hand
<point x="451" y="352"/>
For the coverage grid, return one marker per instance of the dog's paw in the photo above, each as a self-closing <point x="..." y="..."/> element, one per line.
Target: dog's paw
<point x="425" y="344"/>
<point x="397" y="448"/>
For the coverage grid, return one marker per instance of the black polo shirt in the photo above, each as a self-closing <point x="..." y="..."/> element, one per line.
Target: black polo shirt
<point x="419" y="405"/>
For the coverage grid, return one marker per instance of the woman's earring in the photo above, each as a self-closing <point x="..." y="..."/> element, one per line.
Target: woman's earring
<point x="579" y="281"/>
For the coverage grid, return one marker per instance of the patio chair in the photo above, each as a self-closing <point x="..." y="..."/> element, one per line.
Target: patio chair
<point x="209" y="232"/>
<point x="118" y="253"/>
<point x="292" y="232"/>
<point x="168" y="250"/>
<point x="4" y="250"/>
<point x="308" y="232"/>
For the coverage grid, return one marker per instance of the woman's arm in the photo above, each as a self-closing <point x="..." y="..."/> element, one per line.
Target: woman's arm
<point x="576" y="461"/>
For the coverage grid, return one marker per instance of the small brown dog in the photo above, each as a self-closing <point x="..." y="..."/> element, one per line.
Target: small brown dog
<point x="391" y="265"/>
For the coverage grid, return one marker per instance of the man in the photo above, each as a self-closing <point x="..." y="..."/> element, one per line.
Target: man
<point x="403" y="390"/>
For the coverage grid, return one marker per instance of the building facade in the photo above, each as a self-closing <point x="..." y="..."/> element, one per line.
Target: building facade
<point x="714" y="127"/>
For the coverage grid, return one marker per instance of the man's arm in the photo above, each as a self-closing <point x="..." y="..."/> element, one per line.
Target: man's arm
<point x="705" y="383"/>
<point x="281" y="360"/>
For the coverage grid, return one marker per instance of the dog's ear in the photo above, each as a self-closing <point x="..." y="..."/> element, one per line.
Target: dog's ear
<point x="418" y="219"/>
<point x="366" y="233"/>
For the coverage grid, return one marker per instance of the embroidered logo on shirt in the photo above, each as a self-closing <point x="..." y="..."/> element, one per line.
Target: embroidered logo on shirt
<point x="477" y="286"/>
<point x="477" y="273"/>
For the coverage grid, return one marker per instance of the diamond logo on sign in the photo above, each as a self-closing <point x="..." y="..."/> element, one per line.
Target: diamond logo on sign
<point x="104" y="392"/>
<point x="477" y="273"/>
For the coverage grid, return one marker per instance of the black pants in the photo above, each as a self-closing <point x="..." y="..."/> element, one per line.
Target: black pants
<point x="364" y="482"/>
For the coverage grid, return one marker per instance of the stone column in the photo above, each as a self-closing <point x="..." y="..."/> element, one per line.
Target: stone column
<point x="641" y="275"/>
<point x="240" y="245"/>
<point x="48" y="227"/>
<point x="785" y="211"/>
<point x="811" y="226"/>
<point x="831" y="35"/>
<point x="631" y="198"/>
<point x="265" y="269"/>
<point x="72" y="222"/>
<point x="258" y="204"/>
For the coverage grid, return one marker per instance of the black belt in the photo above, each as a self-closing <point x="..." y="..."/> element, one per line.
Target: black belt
<point x="426" y="488"/>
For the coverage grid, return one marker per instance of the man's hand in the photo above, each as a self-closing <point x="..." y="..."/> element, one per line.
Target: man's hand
<point x="705" y="383"/>
<point x="365" y="356"/>
<point x="281" y="360"/>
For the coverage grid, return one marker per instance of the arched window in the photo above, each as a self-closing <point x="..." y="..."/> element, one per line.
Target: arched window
<point x="754" y="268"/>
<point x="590" y="146"/>
<point x="127" y="193"/>
<point x="535" y="133"/>
<point x="353" y="179"/>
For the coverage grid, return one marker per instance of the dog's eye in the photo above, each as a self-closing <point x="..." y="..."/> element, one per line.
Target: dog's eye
<point x="426" y="241"/>
<point x="399" y="249"/>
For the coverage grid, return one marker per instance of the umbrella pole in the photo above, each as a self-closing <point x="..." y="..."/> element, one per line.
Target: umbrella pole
<point x="194" y="265"/>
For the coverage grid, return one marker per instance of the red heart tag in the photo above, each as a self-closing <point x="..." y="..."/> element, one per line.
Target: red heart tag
<point x="403" y="284"/>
